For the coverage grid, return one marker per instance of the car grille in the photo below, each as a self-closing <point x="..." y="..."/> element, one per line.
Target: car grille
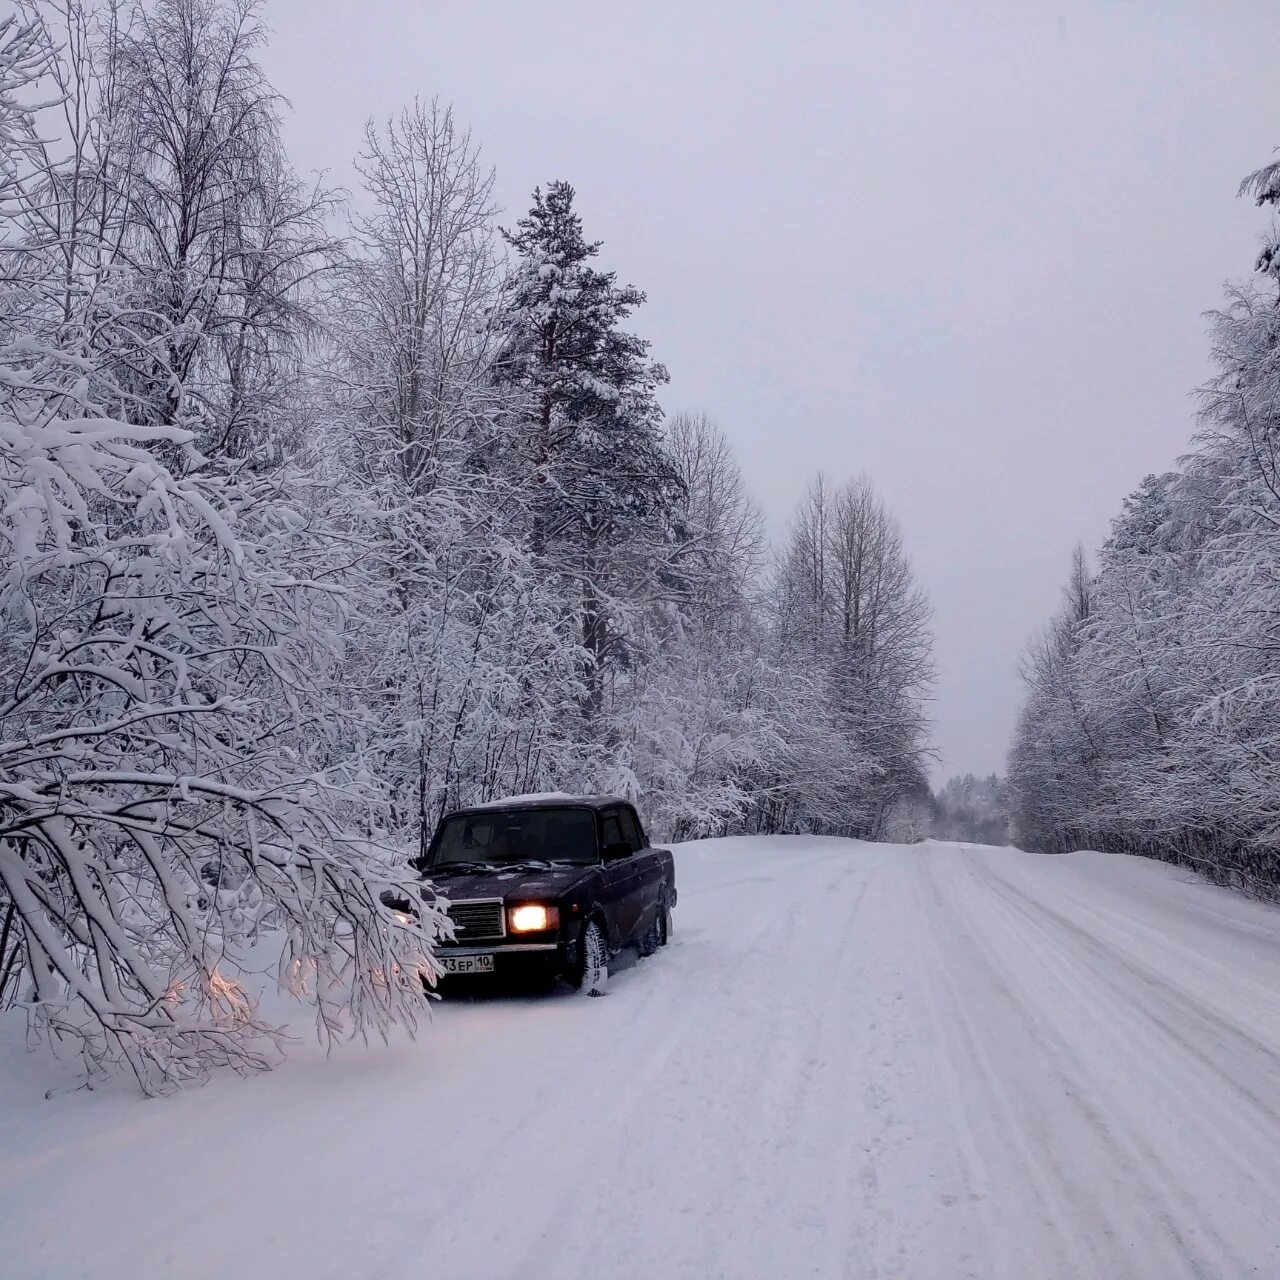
<point x="480" y="918"/>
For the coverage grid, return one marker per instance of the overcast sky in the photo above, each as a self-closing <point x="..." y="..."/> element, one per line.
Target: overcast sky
<point x="963" y="248"/>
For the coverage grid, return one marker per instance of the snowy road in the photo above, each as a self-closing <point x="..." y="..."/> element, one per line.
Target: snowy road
<point x="854" y="1061"/>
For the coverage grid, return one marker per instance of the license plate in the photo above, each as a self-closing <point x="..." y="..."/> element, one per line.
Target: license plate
<point x="465" y="964"/>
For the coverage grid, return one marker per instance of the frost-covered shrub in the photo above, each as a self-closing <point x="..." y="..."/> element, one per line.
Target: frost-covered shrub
<point x="163" y="793"/>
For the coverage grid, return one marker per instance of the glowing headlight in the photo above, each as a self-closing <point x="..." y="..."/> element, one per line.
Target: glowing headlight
<point x="533" y="917"/>
<point x="403" y="916"/>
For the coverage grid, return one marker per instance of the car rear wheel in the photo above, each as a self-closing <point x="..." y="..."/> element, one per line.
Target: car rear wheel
<point x="593" y="977"/>
<point x="658" y="932"/>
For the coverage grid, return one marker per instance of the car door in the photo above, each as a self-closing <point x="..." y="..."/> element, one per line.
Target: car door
<point x="622" y="874"/>
<point x="649" y="868"/>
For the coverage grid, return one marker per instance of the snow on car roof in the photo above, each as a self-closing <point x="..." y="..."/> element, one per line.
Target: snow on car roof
<point x="543" y="798"/>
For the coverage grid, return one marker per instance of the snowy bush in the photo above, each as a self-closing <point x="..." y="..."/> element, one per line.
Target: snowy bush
<point x="159" y="804"/>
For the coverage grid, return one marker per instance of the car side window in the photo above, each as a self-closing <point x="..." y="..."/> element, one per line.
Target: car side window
<point x="611" y="831"/>
<point x="631" y="832"/>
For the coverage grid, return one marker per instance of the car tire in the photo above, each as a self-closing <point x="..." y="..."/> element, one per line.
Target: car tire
<point x="656" y="934"/>
<point x="593" y="976"/>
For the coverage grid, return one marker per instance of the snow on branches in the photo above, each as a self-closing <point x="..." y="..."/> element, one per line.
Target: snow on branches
<point x="1152" y="716"/>
<point x="164" y="802"/>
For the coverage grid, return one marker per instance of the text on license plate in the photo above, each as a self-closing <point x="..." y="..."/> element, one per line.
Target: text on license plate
<point x="465" y="964"/>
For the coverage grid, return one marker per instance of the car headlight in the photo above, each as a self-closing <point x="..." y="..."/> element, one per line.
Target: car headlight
<point x="533" y="917"/>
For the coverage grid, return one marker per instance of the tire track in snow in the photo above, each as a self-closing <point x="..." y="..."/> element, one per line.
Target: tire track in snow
<point x="1157" y="1034"/>
<point x="505" y="1121"/>
<point x="1117" y="1184"/>
<point x="1018" y="1148"/>
<point x="1197" y="1035"/>
<point x="742" y="1182"/>
<point x="610" y="1061"/>
<point x="1110" y="963"/>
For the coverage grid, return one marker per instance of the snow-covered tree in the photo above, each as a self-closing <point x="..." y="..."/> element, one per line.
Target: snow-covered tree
<point x="159" y="802"/>
<point x="462" y="659"/>
<point x="847" y="608"/>
<point x="1150" y="722"/>
<point x="217" y="240"/>
<point x="972" y="809"/>
<point x="599" y="483"/>
<point x="696" y="723"/>
<point x="174" y="806"/>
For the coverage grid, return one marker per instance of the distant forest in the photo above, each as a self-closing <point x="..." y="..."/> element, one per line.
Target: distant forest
<point x="971" y="809"/>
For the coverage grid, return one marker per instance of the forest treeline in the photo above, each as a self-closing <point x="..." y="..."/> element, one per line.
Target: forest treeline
<point x="323" y="512"/>
<point x="970" y="809"/>
<point x="1151" y="722"/>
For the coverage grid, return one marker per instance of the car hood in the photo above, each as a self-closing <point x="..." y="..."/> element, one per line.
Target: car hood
<point x="511" y="886"/>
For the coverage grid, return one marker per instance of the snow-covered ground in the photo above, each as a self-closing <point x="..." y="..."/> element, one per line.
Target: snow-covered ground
<point x="854" y="1061"/>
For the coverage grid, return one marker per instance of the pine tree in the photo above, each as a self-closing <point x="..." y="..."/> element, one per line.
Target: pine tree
<point x="602" y="487"/>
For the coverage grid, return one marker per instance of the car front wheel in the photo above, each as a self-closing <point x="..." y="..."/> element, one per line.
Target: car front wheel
<point x="593" y="975"/>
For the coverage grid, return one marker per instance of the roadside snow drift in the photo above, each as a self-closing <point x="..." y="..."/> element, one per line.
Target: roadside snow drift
<point x="854" y="1060"/>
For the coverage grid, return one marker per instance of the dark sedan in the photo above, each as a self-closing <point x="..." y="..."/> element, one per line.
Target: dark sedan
<point x="552" y="884"/>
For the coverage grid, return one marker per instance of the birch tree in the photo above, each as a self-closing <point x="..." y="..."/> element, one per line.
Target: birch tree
<point x="171" y="795"/>
<point x="847" y="604"/>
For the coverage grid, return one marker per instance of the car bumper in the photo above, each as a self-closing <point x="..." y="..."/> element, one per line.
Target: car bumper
<point x="513" y="960"/>
<point x="500" y="949"/>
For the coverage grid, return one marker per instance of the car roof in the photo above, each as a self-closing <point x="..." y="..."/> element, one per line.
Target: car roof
<point x="542" y="800"/>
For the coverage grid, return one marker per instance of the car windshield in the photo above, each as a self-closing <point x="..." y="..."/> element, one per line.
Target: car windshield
<point x="518" y="835"/>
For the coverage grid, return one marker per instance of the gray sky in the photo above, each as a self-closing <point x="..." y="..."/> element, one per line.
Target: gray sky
<point x="964" y="248"/>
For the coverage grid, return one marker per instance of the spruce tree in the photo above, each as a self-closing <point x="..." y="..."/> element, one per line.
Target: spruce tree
<point x="602" y="485"/>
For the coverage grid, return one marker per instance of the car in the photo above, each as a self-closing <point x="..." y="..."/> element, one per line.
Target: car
<point x="554" y="885"/>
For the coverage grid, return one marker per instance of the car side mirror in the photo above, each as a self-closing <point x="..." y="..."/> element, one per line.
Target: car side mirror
<point x="620" y="849"/>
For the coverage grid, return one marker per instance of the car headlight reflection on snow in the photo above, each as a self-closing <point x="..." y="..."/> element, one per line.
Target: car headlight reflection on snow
<point x="533" y="917"/>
